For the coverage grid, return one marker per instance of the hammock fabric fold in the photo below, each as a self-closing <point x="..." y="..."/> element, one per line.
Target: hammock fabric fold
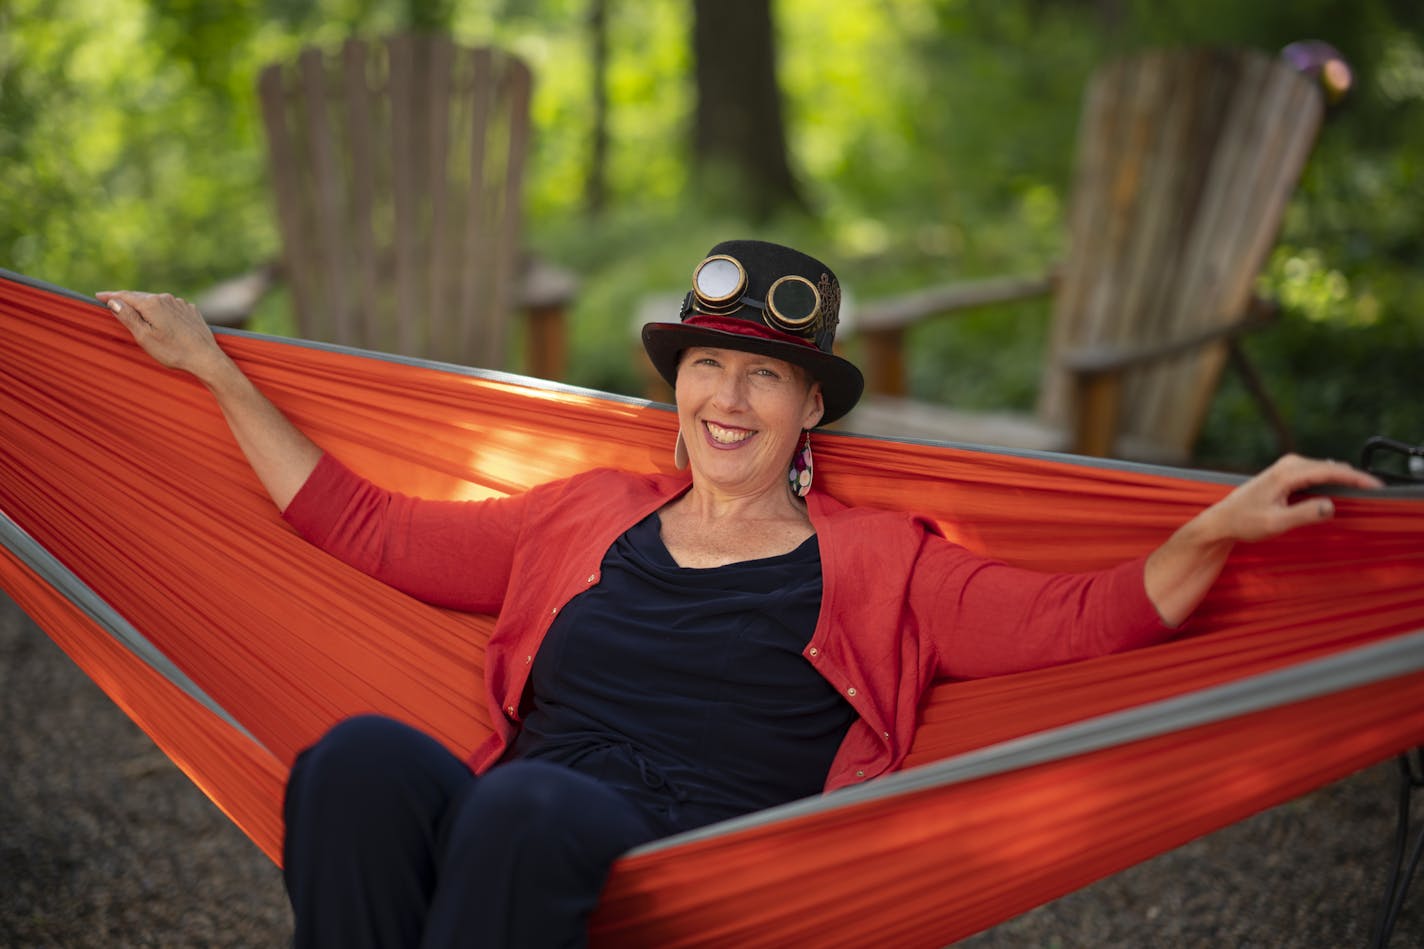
<point x="119" y="478"/>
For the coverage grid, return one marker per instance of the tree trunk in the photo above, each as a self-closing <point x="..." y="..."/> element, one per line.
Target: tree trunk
<point x="739" y="142"/>
<point x="596" y="185"/>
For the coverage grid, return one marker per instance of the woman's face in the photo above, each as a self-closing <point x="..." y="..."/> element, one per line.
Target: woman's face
<point x="742" y="415"/>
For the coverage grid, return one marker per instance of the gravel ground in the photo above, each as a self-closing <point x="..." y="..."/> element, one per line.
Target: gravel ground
<point x="106" y="844"/>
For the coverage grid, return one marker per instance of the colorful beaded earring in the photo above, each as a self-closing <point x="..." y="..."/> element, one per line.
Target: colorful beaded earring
<point x="802" y="470"/>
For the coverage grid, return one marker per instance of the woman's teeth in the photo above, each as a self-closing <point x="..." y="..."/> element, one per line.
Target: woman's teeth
<point x="727" y="436"/>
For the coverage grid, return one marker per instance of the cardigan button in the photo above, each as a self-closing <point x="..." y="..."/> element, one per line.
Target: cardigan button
<point x="886" y="734"/>
<point x="850" y="691"/>
<point x="529" y="659"/>
<point x="859" y="773"/>
<point x="592" y="577"/>
<point x="510" y="710"/>
<point x="815" y="651"/>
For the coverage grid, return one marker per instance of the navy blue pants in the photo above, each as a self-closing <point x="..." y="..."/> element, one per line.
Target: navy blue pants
<point x="392" y="841"/>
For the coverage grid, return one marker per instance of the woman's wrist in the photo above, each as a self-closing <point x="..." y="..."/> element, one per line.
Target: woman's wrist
<point x="219" y="373"/>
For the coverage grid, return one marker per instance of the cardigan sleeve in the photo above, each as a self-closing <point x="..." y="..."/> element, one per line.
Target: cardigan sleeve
<point x="990" y="618"/>
<point x="456" y="554"/>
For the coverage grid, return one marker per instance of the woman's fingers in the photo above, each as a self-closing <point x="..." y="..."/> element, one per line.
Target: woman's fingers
<point x="1338" y="472"/>
<point x="1292" y="473"/>
<point x="152" y="307"/>
<point x="136" y="311"/>
<point x="129" y="317"/>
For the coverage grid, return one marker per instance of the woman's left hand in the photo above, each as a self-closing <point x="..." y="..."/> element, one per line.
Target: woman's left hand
<point x="1267" y="504"/>
<point x="1181" y="571"/>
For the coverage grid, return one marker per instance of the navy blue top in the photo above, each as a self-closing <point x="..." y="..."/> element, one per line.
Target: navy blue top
<point x="686" y="687"/>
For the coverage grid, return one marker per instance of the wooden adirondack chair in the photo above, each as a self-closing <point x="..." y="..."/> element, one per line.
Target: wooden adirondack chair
<point x="397" y="168"/>
<point x="1186" y="160"/>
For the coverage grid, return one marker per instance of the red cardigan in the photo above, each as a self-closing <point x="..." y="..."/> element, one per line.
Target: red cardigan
<point x="901" y="606"/>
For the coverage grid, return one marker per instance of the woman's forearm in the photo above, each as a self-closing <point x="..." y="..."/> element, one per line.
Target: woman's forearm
<point x="281" y="454"/>
<point x="1180" y="572"/>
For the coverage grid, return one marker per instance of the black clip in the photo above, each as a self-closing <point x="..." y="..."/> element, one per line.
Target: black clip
<point x="1401" y="463"/>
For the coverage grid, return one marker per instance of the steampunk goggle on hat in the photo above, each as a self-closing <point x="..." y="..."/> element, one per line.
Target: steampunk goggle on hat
<point x="763" y="298"/>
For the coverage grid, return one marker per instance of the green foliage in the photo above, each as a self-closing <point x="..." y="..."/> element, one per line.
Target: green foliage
<point x="934" y="139"/>
<point x="1337" y="385"/>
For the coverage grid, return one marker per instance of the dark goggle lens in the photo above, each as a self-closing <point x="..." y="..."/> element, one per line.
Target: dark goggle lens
<point x="793" y="301"/>
<point x="719" y="279"/>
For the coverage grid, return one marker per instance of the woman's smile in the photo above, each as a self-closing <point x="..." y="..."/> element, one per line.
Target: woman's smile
<point x="727" y="437"/>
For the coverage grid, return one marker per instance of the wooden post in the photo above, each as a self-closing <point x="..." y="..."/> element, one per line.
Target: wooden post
<point x="1095" y="429"/>
<point x="884" y="361"/>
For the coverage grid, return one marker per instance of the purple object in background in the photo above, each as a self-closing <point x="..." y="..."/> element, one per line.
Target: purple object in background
<point x="1323" y="63"/>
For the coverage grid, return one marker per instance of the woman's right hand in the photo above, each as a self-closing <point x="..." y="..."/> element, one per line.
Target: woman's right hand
<point x="174" y="333"/>
<point x="169" y="329"/>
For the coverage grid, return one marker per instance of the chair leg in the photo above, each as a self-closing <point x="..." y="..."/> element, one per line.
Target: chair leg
<point x="885" y="361"/>
<point x="1099" y="399"/>
<point x="1401" y="871"/>
<point x="1285" y="441"/>
<point x="546" y="341"/>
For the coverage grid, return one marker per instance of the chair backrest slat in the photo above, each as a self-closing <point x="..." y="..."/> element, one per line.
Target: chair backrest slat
<point x="361" y="117"/>
<point x="289" y="188"/>
<point x="516" y="87"/>
<point x="406" y="168"/>
<point x="439" y="124"/>
<point x="474" y="290"/>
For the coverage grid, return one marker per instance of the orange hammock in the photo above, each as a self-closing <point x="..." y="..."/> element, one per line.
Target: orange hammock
<point x="138" y="538"/>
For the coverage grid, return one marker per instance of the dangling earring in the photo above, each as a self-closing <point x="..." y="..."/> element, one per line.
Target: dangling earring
<point x="679" y="452"/>
<point x="802" y="470"/>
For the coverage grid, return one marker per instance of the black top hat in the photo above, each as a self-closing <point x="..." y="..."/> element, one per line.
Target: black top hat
<point x="762" y="298"/>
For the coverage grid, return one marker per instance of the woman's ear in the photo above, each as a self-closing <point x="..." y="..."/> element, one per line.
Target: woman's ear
<point x="815" y="408"/>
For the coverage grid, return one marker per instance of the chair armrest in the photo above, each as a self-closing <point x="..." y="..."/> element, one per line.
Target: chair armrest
<point x="881" y="325"/>
<point x="1099" y="359"/>
<point x="907" y="309"/>
<point x="231" y="302"/>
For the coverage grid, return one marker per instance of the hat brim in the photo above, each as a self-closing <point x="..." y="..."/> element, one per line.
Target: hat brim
<point x="841" y="382"/>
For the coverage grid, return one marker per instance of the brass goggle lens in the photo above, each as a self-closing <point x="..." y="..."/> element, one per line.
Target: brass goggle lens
<point x="792" y="303"/>
<point x="719" y="281"/>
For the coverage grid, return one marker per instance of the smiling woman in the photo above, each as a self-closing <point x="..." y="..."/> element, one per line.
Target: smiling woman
<point x="671" y="650"/>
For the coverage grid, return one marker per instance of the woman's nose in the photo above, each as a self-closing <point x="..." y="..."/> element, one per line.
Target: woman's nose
<point x="731" y="392"/>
